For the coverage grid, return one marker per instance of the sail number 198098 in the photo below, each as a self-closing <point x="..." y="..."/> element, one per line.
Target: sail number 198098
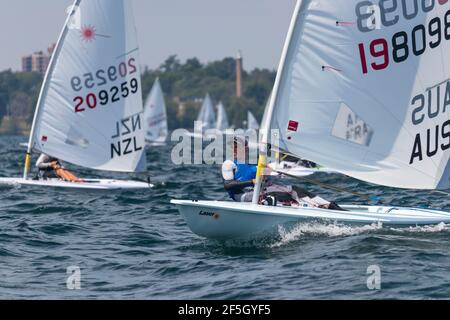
<point x="380" y="53"/>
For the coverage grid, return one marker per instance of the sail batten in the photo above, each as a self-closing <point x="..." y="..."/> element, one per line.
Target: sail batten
<point x="367" y="95"/>
<point x="90" y="110"/>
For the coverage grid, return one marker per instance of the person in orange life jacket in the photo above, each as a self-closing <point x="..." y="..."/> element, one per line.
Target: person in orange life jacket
<point x="47" y="166"/>
<point x="239" y="181"/>
<point x="51" y="168"/>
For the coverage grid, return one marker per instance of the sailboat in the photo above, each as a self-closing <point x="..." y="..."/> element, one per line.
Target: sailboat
<point x="207" y="116"/>
<point x="206" y="119"/>
<point x="222" y="123"/>
<point x="155" y="116"/>
<point x="362" y="96"/>
<point x="252" y="123"/>
<point x="89" y="111"/>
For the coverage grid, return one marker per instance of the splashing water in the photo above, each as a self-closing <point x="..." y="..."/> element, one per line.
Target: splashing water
<point x="317" y="228"/>
<point x="424" y="229"/>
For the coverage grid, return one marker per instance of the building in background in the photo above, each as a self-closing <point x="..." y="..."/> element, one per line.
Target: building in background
<point x="27" y="64"/>
<point x="38" y="61"/>
<point x="239" y="75"/>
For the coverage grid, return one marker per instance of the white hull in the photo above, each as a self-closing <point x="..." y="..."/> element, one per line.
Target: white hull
<point x="204" y="136"/>
<point x="224" y="220"/>
<point x="89" y="184"/>
<point x="214" y="135"/>
<point x="156" y="143"/>
<point x="194" y="135"/>
<point x="296" y="170"/>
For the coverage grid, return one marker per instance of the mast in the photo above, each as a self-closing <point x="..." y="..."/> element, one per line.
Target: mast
<point x="44" y="89"/>
<point x="262" y="163"/>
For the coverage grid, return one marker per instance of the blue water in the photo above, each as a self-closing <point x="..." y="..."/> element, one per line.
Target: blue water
<point x="133" y="245"/>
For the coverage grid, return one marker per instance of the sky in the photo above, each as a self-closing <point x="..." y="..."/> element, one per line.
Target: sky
<point x="206" y="29"/>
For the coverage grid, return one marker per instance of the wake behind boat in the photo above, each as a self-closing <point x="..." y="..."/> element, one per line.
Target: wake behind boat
<point x="89" y="111"/>
<point x="339" y="106"/>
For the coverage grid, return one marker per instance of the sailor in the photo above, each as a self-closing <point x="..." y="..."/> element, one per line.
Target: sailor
<point x="47" y="166"/>
<point x="51" y="168"/>
<point x="240" y="178"/>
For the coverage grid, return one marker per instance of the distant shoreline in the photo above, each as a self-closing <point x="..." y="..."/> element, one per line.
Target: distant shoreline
<point x="10" y="126"/>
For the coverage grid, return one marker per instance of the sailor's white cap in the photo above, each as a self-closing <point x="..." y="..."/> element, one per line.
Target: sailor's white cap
<point x="228" y="169"/>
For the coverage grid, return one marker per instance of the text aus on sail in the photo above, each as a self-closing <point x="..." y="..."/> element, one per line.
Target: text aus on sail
<point x="429" y="116"/>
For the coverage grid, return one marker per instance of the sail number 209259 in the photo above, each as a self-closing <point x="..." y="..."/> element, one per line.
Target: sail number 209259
<point x="109" y="83"/>
<point x="102" y="76"/>
<point x="377" y="55"/>
<point x="104" y="97"/>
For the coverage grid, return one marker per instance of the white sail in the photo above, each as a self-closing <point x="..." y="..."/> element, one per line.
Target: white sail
<point x="155" y="115"/>
<point x="90" y="108"/>
<point x="222" y="118"/>
<point x="207" y="116"/>
<point x="252" y="122"/>
<point x="365" y="89"/>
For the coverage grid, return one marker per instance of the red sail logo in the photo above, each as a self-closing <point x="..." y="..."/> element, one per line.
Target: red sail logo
<point x="293" y="126"/>
<point x="88" y="33"/>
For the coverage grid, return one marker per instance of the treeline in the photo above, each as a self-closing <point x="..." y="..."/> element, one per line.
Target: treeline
<point x="18" y="97"/>
<point x="184" y="85"/>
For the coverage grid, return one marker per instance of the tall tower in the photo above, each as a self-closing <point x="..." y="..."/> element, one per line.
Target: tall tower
<point x="239" y="75"/>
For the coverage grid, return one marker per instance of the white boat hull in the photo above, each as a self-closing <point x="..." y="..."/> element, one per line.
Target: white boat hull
<point x="89" y="184"/>
<point x="295" y="170"/>
<point x="161" y="143"/>
<point x="194" y="135"/>
<point x="223" y="220"/>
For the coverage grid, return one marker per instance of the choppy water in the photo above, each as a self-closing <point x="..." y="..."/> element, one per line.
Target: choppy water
<point x="135" y="244"/>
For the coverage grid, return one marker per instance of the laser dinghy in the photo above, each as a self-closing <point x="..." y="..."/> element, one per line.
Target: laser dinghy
<point x="89" y="112"/>
<point x="366" y="96"/>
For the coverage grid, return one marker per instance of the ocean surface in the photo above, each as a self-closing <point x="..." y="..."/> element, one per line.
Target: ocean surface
<point x="135" y="245"/>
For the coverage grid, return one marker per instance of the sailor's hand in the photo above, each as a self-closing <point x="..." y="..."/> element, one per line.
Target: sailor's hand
<point x="254" y="181"/>
<point x="267" y="171"/>
<point x="55" y="165"/>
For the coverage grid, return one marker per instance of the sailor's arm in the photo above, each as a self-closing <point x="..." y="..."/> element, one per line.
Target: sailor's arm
<point x="237" y="186"/>
<point x="43" y="162"/>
